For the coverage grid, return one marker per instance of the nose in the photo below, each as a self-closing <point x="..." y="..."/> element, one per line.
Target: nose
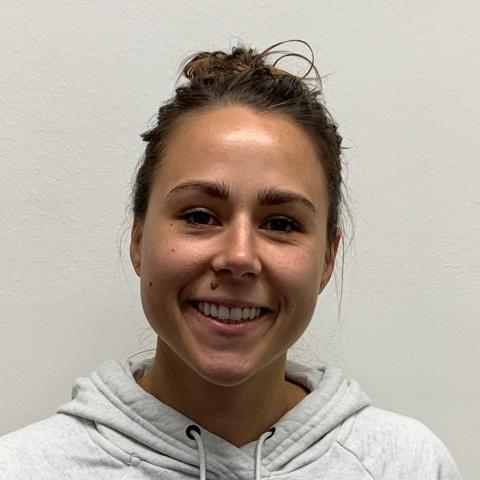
<point x="238" y="253"/>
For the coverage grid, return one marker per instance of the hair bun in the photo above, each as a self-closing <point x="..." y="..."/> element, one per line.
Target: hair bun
<point x="218" y="63"/>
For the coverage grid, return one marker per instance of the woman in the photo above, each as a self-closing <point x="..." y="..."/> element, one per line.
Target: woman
<point x="235" y="234"/>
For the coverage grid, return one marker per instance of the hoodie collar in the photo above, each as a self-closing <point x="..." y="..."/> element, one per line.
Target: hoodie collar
<point x="145" y="427"/>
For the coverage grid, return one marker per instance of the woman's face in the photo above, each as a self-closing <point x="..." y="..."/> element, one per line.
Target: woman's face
<point x="237" y="217"/>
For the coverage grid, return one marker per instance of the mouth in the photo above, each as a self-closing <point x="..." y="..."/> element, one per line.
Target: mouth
<point x="228" y="316"/>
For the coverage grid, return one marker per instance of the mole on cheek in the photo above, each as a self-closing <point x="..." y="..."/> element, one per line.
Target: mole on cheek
<point x="172" y="250"/>
<point x="149" y="284"/>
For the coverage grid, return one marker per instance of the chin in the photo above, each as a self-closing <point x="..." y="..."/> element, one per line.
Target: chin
<point x="225" y="373"/>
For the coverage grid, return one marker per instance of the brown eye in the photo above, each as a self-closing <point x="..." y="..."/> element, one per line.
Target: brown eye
<point x="197" y="217"/>
<point x="280" y="223"/>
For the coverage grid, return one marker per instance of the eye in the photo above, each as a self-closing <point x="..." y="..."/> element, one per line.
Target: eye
<point x="280" y="222"/>
<point x="198" y="216"/>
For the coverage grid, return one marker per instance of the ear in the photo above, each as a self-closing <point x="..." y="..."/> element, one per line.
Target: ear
<point x="330" y="256"/>
<point x="136" y="245"/>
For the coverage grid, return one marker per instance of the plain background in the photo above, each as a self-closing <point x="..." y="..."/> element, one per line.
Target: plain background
<point x="80" y="80"/>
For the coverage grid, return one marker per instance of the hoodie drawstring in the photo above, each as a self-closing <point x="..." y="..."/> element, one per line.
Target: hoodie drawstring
<point x="258" y="451"/>
<point x="194" y="433"/>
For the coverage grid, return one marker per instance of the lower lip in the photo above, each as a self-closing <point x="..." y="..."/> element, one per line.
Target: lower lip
<point x="241" y="328"/>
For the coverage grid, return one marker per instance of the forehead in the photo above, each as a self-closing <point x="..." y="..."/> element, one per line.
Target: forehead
<point x="239" y="145"/>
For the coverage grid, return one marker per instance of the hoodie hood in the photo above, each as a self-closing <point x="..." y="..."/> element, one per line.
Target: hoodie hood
<point x="150" y="431"/>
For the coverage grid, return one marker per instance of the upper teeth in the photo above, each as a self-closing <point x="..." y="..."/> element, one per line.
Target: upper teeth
<point x="225" y="313"/>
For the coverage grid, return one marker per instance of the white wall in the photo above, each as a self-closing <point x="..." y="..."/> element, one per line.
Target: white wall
<point x="80" y="80"/>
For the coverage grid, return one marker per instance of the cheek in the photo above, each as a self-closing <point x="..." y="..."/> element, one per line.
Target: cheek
<point x="300" y="270"/>
<point x="166" y="268"/>
<point x="168" y="263"/>
<point x="299" y="274"/>
<point x="301" y="284"/>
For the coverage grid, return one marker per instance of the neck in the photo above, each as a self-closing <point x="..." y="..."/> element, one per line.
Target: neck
<point x="239" y="414"/>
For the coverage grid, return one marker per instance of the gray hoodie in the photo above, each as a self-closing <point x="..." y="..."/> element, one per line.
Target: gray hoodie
<point x="113" y="429"/>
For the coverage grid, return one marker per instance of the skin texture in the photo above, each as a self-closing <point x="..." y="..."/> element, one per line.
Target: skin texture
<point x="234" y="386"/>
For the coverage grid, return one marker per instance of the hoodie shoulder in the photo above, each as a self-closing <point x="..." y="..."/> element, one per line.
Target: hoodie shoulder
<point x="30" y="449"/>
<point x="392" y="446"/>
<point x="57" y="447"/>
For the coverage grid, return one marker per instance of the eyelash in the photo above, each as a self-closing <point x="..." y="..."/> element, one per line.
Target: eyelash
<point x="292" y="224"/>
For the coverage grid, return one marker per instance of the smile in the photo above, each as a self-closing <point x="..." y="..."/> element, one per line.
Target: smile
<point x="225" y="314"/>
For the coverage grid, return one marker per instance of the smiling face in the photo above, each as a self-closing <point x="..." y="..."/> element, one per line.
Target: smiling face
<point x="238" y="200"/>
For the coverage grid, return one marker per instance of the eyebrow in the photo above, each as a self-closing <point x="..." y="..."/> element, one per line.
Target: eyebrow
<point x="269" y="196"/>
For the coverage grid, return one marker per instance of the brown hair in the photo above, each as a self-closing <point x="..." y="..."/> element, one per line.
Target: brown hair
<point x="245" y="77"/>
